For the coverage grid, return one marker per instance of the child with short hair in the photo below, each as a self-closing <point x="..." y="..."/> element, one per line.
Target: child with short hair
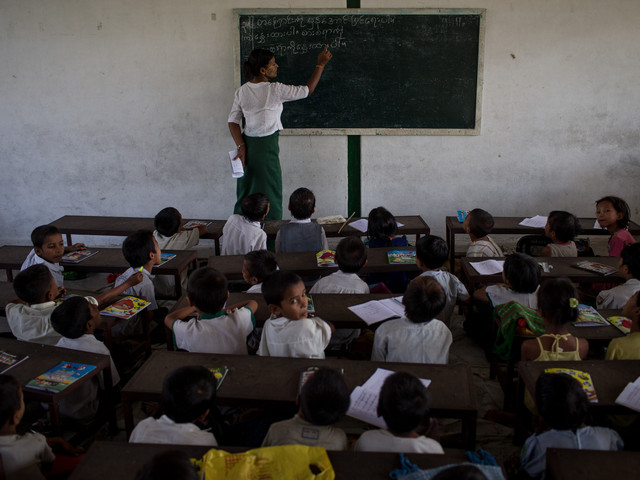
<point x="243" y="233"/>
<point x="301" y="234"/>
<point x="629" y="269"/>
<point x="215" y="330"/>
<point x="351" y="256"/>
<point x="48" y="249"/>
<point x="381" y="232"/>
<point x="613" y="214"/>
<point x="324" y="398"/>
<point x="478" y="224"/>
<point x="562" y="227"/>
<point x="76" y="319"/>
<point x="404" y="406"/>
<point x="289" y="332"/>
<point x="521" y="275"/>
<point x="255" y="268"/>
<point x="431" y="253"/>
<point x="563" y="405"/>
<point x="188" y="396"/>
<point x="558" y="305"/>
<point x="627" y="347"/>
<point x="418" y="337"/>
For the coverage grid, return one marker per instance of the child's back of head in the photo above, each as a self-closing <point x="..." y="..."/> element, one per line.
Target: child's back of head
<point x="324" y="397"/>
<point x="137" y="247"/>
<point x="302" y="203"/>
<point x="255" y="206"/>
<point x="432" y="251"/>
<point x="10" y="399"/>
<point x="188" y="393"/>
<point x="558" y="301"/>
<point x="381" y="224"/>
<point x="39" y="234"/>
<point x="522" y="272"/>
<point x="33" y="284"/>
<point x="630" y="256"/>
<point x="564" y="224"/>
<point x="351" y="254"/>
<point x="424" y="299"/>
<point x="259" y="264"/>
<point x="207" y="289"/>
<point x="70" y="318"/>
<point x="168" y="221"/>
<point x="403" y="403"/>
<point x="276" y="284"/>
<point x="480" y="223"/>
<point x="561" y="401"/>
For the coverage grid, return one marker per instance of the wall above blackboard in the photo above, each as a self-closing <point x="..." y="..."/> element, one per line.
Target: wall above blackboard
<point x="393" y="72"/>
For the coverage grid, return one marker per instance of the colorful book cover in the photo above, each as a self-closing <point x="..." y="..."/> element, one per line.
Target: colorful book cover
<point x="595" y="267"/>
<point x="621" y="323"/>
<point x="582" y="377"/>
<point x="589" y="317"/>
<point x="326" y="258"/>
<point x="219" y="373"/>
<point x="164" y="258"/>
<point x="401" y="256"/>
<point x="9" y="360"/>
<point x="462" y="215"/>
<point x="306" y="375"/>
<point x="78" y="256"/>
<point x="311" y="308"/>
<point x="195" y="224"/>
<point x="126" y="307"/>
<point x="60" y="376"/>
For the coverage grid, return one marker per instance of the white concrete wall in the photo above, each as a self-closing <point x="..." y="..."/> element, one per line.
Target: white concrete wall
<point x="120" y="107"/>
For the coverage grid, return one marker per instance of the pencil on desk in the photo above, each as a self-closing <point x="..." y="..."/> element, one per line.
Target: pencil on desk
<point x="347" y="221"/>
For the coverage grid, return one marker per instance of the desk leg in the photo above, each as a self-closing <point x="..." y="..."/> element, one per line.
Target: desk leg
<point x="9" y="273"/>
<point x="127" y="410"/>
<point x="451" y="241"/>
<point x="217" y="241"/>
<point x="469" y="425"/>
<point x="69" y="242"/>
<point x="523" y="416"/>
<point x="110" y="400"/>
<point x="54" y="414"/>
<point x="178" y="282"/>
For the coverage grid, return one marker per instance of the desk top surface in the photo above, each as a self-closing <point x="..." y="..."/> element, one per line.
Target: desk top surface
<point x="564" y="464"/>
<point x="510" y="225"/>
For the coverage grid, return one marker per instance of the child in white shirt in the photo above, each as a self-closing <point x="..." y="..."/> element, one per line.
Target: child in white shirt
<point x="243" y="233"/>
<point x="629" y="269"/>
<point x="478" y="224"/>
<point x="255" y="268"/>
<point x="301" y="234"/>
<point x="562" y="227"/>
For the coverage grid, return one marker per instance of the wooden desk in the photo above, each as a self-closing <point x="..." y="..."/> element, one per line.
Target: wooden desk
<point x="305" y="263"/>
<point x="107" y="260"/>
<point x="509" y="225"/>
<point x="123" y="226"/>
<point x="565" y="464"/>
<point x="44" y="357"/>
<point x="124" y="460"/>
<point x="273" y="381"/>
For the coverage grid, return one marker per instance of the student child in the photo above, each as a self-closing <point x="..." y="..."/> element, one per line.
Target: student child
<point x="324" y="398"/>
<point x="301" y="234"/>
<point x="627" y="347"/>
<point x="76" y="319"/>
<point x="629" y="269"/>
<point x="562" y="227"/>
<point x="563" y="405"/>
<point x="418" y="337"/>
<point x="243" y="233"/>
<point x="431" y="253"/>
<point x="478" y="224"/>
<point x="215" y="330"/>
<point x="256" y="266"/>
<point x="404" y="406"/>
<point x="188" y="396"/>
<point x="381" y="230"/>
<point x="29" y="317"/>
<point x="289" y="333"/>
<point x="613" y="214"/>
<point x="48" y="249"/>
<point x="351" y="256"/>
<point x="521" y="276"/>
<point x="558" y="305"/>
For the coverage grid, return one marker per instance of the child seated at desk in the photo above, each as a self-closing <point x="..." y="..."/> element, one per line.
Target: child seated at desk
<point x="215" y="330"/>
<point x="301" y="234"/>
<point x="404" y="406"/>
<point x="431" y="253"/>
<point x="629" y="269"/>
<point x="561" y="228"/>
<point x="627" y="347"/>
<point x="563" y="405"/>
<point x="243" y="233"/>
<point x="289" y="333"/>
<point x="613" y="214"/>
<point x="188" y="397"/>
<point x="478" y="224"/>
<point x="48" y="249"/>
<point x="381" y="232"/>
<point x="324" y="398"/>
<point x="76" y="319"/>
<point x="255" y="268"/>
<point x="418" y="337"/>
<point x="29" y="317"/>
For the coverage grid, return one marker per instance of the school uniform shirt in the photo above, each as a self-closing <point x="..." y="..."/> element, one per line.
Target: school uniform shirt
<point x="563" y="249"/>
<point x="618" y="241"/>
<point x="304" y="338"/>
<point x="484" y="248"/>
<point x="83" y="403"/>
<point x="222" y="333"/>
<point x="257" y="288"/>
<point x="534" y="451"/>
<point x="165" y="430"/>
<point x="499" y="294"/>
<point x="144" y="289"/>
<point x="454" y="290"/>
<point x="296" y="245"/>
<point x="32" y="323"/>
<point x="298" y="431"/>
<point x="385" y="441"/>
<point x="184" y="240"/>
<point x="616" y="297"/>
<point x="340" y="282"/>
<point x="624" y="348"/>
<point x="241" y="236"/>
<point x="22" y="456"/>
<point x="55" y="268"/>
<point x="402" y="340"/>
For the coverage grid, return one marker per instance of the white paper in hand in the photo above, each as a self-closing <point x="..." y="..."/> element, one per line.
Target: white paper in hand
<point x="237" y="170"/>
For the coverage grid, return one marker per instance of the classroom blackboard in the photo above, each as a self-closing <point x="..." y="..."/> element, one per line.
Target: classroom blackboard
<point x="400" y="72"/>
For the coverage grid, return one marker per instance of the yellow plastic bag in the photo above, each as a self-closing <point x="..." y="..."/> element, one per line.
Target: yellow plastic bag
<point x="295" y="462"/>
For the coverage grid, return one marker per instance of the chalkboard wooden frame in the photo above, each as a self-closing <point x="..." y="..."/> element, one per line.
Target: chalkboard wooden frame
<point x="362" y="15"/>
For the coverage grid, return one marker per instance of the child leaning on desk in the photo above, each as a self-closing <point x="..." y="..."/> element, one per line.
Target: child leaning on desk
<point x="627" y="347"/>
<point x="255" y="268"/>
<point x="629" y="269"/>
<point x="243" y="233"/>
<point x="381" y="232"/>
<point x="478" y="224"/>
<point x="301" y="234"/>
<point x="215" y="330"/>
<point x="562" y="227"/>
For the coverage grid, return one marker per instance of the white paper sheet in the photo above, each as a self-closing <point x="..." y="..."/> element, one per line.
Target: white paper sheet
<point x="488" y="267"/>
<point x="630" y="396"/>
<point x="536" y="222"/>
<point x="374" y="311"/>
<point x="237" y="170"/>
<point x="362" y="225"/>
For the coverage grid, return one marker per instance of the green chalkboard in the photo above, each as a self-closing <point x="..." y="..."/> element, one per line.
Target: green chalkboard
<point x="416" y="71"/>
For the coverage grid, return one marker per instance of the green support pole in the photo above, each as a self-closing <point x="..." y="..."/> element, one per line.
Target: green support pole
<point x="354" y="190"/>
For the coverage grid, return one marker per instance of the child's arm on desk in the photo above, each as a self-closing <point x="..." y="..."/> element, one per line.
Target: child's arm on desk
<point x="179" y="314"/>
<point x="251" y="304"/>
<point x="109" y="295"/>
<point x="75" y="247"/>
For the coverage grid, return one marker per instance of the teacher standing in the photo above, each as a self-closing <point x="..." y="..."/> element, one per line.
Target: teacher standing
<point x="260" y="102"/>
